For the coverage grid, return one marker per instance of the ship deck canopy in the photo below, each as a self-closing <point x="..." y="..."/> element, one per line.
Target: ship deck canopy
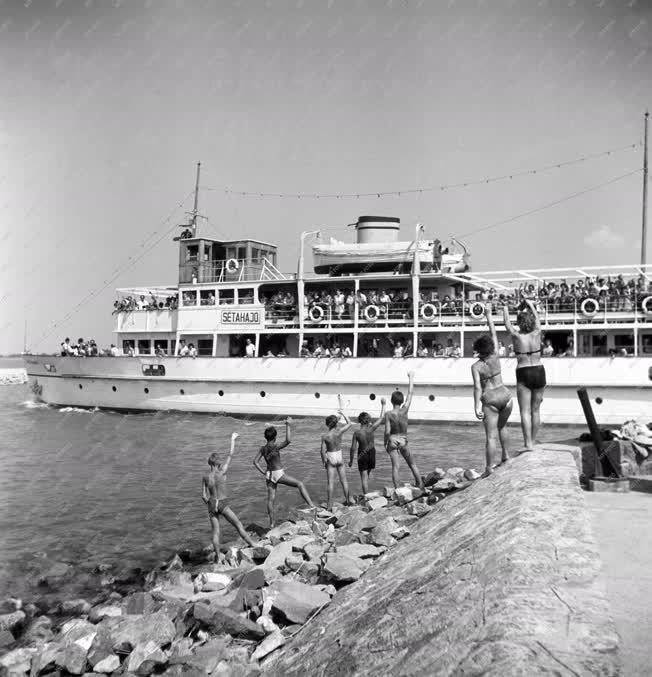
<point x="157" y="291"/>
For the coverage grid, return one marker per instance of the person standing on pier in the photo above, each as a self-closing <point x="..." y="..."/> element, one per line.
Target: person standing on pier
<point x="396" y="438"/>
<point x="275" y="474"/>
<point x="331" y="455"/>
<point x="530" y="373"/>
<point x="363" y="439"/>
<point x="493" y="402"/>
<point x="214" y="496"/>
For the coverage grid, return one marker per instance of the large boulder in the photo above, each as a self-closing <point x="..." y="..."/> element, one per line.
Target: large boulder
<point x="6" y="639"/>
<point x="139" y="603"/>
<point x="45" y="657"/>
<point x="75" y="607"/>
<point x="382" y="535"/>
<point x="17" y="662"/>
<point x="10" y="604"/>
<point x="283" y="529"/>
<point x="107" y="665"/>
<point x="204" y="657"/>
<point x="377" y="502"/>
<point x="277" y="556"/>
<point x="97" y="613"/>
<point x="434" y="477"/>
<point x="269" y="644"/>
<point x="358" y="550"/>
<point x="102" y="646"/>
<point x="128" y="631"/>
<point x="407" y="494"/>
<point x="224" y="620"/>
<point x="39" y="631"/>
<point x="342" y="569"/>
<point x="296" y="602"/>
<point x="212" y="582"/>
<point x="315" y="550"/>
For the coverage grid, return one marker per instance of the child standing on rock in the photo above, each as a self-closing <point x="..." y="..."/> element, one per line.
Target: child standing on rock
<point x="331" y="454"/>
<point x="363" y="439"/>
<point x="214" y="496"/>
<point x="275" y="474"/>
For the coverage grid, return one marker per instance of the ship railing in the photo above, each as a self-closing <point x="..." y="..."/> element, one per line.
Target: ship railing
<point x="279" y="315"/>
<point x="229" y="270"/>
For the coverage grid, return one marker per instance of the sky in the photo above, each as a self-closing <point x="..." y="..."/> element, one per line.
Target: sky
<point x="107" y="105"/>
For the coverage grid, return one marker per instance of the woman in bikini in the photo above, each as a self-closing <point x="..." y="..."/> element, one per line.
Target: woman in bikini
<point x="275" y="474"/>
<point x="530" y="373"/>
<point x="493" y="401"/>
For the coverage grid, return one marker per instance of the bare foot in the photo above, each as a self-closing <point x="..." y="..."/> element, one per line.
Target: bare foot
<point x="487" y="471"/>
<point x="503" y="460"/>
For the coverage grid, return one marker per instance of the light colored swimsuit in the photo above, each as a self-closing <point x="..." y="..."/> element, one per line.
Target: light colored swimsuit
<point x="274" y="475"/>
<point x="397" y="442"/>
<point x="334" y="457"/>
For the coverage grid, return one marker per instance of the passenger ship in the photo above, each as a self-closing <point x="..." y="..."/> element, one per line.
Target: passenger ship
<point x="221" y="291"/>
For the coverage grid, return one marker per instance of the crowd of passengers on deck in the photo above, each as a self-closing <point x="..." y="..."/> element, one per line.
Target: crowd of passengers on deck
<point x="129" y="303"/>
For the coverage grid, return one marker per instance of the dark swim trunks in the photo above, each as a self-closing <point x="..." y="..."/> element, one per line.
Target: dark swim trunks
<point x="222" y="504"/>
<point x="367" y="460"/>
<point x="533" y="378"/>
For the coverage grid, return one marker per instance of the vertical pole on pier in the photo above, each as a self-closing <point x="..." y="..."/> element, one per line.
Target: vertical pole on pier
<point x="608" y="469"/>
<point x="645" y="180"/>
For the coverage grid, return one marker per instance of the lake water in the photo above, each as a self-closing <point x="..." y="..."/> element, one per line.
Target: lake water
<point x="86" y="487"/>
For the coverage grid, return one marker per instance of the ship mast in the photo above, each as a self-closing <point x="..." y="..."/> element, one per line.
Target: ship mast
<point x="195" y="212"/>
<point x="645" y="179"/>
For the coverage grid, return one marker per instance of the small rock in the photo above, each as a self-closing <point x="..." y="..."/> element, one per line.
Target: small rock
<point x="435" y="497"/>
<point x="341" y="568"/>
<point x="433" y="477"/>
<point x="184" y="671"/>
<point x="6" y="639"/>
<point x="102" y="646"/>
<point x="315" y="550"/>
<point x="219" y="620"/>
<point x="254" y="579"/>
<point x="260" y="552"/>
<point x="11" y="604"/>
<point x="17" y="661"/>
<point x="400" y="533"/>
<point x="418" y="509"/>
<point x="250" y="600"/>
<point x="376" y="503"/>
<point x="358" y="550"/>
<point x="12" y="621"/>
<point x="204" y="657"/>
<point x="389" y="492"/>
<point x="128" y="631"/>
<point x="296" y="601"/>
<point x="445" y="484"/>
<point x="294" y="561"/>
<point x="175" y="564"/>
<point x="319" y="529"/>
<point x="97" y="613"/>
<point x="144" y="658"/>
<point x="471" y="474"/>
<point x="269" y="644"/>
<point x="456" y="473"/>
<point x="344" y="537"/>
<point x="406" y="494"/>
<point x="46" y="657"/>
<point x="277" y="556"/>
<point x="267" y="624"/>
<point x="39" y="631"/>
<point x="108" y="664"/>
<point x="371" y="495"/>
<point x="212" y="582"/>
<point x="328" y="589"/>
<point x="77" y="607"/>
<point x="301" y="540"/>
<point x="283" y="529"/>
<point x="381" y="535"/>
<point x="138" y="603"/>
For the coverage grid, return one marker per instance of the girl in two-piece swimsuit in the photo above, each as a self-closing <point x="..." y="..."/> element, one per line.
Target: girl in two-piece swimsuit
<point x="493" y="401"/>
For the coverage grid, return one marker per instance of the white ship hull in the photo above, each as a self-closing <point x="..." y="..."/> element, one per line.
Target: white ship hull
<point x="619" y="388"/>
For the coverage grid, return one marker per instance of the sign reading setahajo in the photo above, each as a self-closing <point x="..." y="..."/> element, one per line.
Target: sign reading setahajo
<point x="240" y="317"/>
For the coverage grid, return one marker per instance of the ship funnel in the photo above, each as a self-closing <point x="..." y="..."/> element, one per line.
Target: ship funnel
<point x="377" y="229"/>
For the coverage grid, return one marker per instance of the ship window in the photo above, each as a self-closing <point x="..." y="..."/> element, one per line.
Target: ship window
<point x="205" y="347"/>
<point x="245" y="296"/>
<point x="227" y="297"/>
<point x="317" y="395"/>
<point x="255" y="254"/>
<point x="220" y="393"/>
<point x="114" y="389"/>
<point x="189" y="298"/>
<point x="182" y="392"/>
<point x="146" y="391"/>
<point x="372" y="396"/>
<point x="144" y="347"/>
<point x="154" y="370"/>
<point x="80" y="386"/>
<point x="598" y="400"/>
<point x="242" y="253"/>
<point x="192" y="252"/>
<point x="207" y="297"/>
<point x="431" y="398"/>
<point x="263" y="393"/>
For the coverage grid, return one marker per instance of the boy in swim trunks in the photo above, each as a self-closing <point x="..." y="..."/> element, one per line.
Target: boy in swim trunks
<point x="363" y="439"/>
<point x="331" y="455"/>
<point x="396" y="440"/>
<point x="213" y="492"/>
<point x="275" y="474"/>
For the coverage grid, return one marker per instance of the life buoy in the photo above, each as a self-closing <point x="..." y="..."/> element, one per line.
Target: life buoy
<point x="428" y="311"/>
<point x="232" y="265"/>
<point x="589" y="307"/>
<point x="371" y="313"/>
<point x="316" y="313"/>
<point x="646" y="305"/>
<point x="476" y="310"/>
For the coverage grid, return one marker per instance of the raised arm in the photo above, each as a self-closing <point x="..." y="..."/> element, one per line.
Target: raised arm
<point x="477" y="393"/>
<point x="381" y="419"/>
<point x="347" y="422"/>
<point x="535" y="312"/>
<point x="508" y="324"/>
<point x="492" y="326"/>
<point x="408" y="401"/>
<point x="288" y="433"/>
<point x="225" y="466"/>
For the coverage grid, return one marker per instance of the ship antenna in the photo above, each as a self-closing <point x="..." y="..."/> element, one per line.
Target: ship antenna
<point x="195" y="212"/>
<point x="645" y="180"/>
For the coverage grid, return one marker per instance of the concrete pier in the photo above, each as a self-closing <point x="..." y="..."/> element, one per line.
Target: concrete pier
<point x="501" y="579"/>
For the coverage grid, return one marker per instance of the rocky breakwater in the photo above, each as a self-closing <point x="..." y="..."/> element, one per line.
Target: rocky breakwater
<point x="502" y="579"/>
<point x="191" y="617"/>
<point x="10" y="377"/>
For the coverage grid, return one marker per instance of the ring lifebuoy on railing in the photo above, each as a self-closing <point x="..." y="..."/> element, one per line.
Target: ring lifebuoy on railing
<point x="476" y="310"/>
<point x="646" y="305"/>
<point x="232" y="265"/>
<point x="589" y="307"/>
<point x="371" y="313"/>
<point x="316" y="313"/>
<point x="428" y="311"/>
